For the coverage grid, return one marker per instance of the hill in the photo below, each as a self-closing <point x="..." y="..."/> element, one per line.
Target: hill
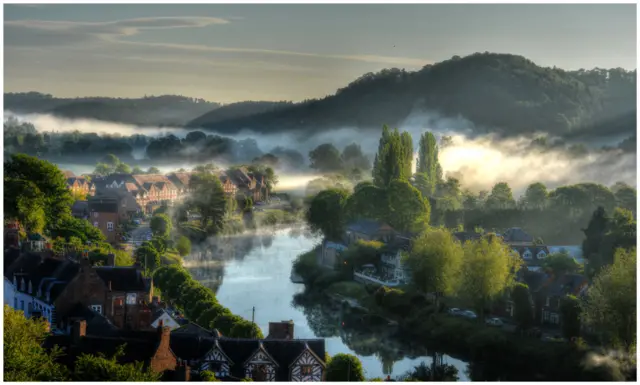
<point x="165" y="110"/>
<point x="503" y="93"/>
<point x="236" y="110"/>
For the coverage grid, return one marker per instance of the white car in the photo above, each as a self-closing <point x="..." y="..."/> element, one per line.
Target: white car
<point x="469" y="314"/>
<point x="494" y="322"/>
<point x="454" y="311"/>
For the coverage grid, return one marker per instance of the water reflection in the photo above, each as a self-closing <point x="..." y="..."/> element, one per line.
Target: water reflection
<point x="253" y="270"/>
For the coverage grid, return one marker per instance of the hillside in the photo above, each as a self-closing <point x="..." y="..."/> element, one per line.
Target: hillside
<point x="236" y="110"/>
<point x="167" y="110"/>
<point x="500" y="92"/>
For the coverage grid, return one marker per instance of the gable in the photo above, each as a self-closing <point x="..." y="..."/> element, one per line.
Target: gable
<point x="308" y="357"/>
<point x="217" y="354"/>
<point x="260" y="356"/>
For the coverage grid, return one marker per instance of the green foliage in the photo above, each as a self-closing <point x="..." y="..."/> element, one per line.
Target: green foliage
<point x="26" y="203"/>
<point x="184" y="246"/>
<point x="488" y="270"/>
<point x="246" y="329"/>
<point x="225" y="322"/>
<point x="208" y="198"/>
<point x="207" y="318"/>
<point x="47" y="190"/>
<point x="361" y="253"/>
<point x="604" y="235"/>
<point x="160" y="225"/>
<point x="610" y="305"/>
<point x="99" y="368"/>
<point x="560" y="263"/>
<point x="392" y="160"/>
<point x="523" y="306"/>
<point x="326" y="213"/>
<point x="435" y="261"/>
<point x="625" y="196"/>
<point x="353" y="158"/>
<point x="69" y="226"/>
<point x="24" y="357"/>
<point x="148" y="256"/>
<point x="428" y="168"/>
<point x="408" y="211"/>
<point x="208" y="376"/>
<point x="344" y="367"/>
<point x="325" y="158"/>
<point x="500" y="197"/>
<point x="535" y="197"/>
<point x="305" y="266"/>
<point x="367" y="202"/>
<point x="425" y="373"/>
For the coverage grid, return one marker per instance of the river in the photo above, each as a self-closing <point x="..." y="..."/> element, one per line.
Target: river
<point x="259" y="277"/>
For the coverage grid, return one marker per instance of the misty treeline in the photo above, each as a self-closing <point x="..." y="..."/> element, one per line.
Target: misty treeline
<point x="500" y="93"/>
<point x="410" y="202"/>
<point x="163" y="110"/>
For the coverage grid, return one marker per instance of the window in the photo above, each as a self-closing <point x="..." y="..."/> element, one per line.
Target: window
<point x="545" y="315"/>
<point x="542" y="255"/>
<point x="109" y="226"/>
<point x="306" y="370"/>
<point x="95" y="224"/>
<point x="97" y="308"/>
<point x="131" y="298"/>
<point x="95" y="214"/>
<point x="22" y="305"/>
<point x="554" y="318"/>
<point x="215" y="366"/>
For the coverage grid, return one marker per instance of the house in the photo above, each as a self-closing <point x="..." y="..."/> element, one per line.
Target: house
<point x="515" y="236"/>
<point x="182" y="181"/>
<point x="548" y="297"/>
<point x="328" y="253"/>
<point x="152" y="348"/>
<point x="80" y="209"/>
<point x="392" y="271"/>
<point x="230" y="188"/>
<point x="368" y="230"/>
<point x="80" y="185"/>
<point x="270" y="359"/>
<point x="128" y="206"/>
<point x="159" y="189"/>
<point x="533" y="255"/>
<point x="104" y="214"/>
<point x="55" y="287"/>
<point x="162" y="317"/>
<point x="244" y="183"/>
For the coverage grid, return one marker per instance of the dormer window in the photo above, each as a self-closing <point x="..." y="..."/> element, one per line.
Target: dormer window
<point x="527" y="254"/>
<point x="541" y="255"/>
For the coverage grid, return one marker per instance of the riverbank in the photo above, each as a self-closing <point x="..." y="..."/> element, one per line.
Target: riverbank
<point x="494" y="354"/>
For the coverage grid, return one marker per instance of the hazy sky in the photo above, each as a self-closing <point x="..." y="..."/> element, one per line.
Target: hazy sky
<point x="229" y="53"/>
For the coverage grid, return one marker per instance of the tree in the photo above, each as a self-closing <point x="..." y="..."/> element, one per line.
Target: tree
<point x="435" y="260"/>
<point x="344" y="367"/>
<point x="110" y="160"/>
<point x="184" y="246"/>
<point x="209" y="316"/>
<point x="427" y="165"/>
<point x="560" y="263"/>
<point x="24" y="357"/>
<point x="246" y="329"/>
<point x="160" y="225"/>
<point x="26" y="203"/>
<point x="610" y="305"/>
<point x="353" y="158"/>
<point x="123" y="168"/>
<point x="570" y="316"/>
<point x="225" y="322"/>
<point x="326" y="212"/>
<point x="325" y="158"/>
<point x="408" y="211"/>
<point x="535" y="198"/>
<point x="594" y="235"/>
<point x="489" y="268"/>
<point x="49" y="180"/>
<point x="148" y="256"/>
<point x="522" y="306"/>
<point x="367" y="202"/>
<point x="208" y="376"/>
<point x="103" y="169"/>
<point x="626" y="198"/>
<point x="137" y="170"/>
<point x="153" y="170"/>
<point x="391" y="161"/>
<point x="208" y="198"/>
<point x="74" y="227"/>
<point x="100" y="368"/>
<point x="500" y="198"/>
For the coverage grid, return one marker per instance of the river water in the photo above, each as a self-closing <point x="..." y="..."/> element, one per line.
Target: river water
<point x="259" y="277"/>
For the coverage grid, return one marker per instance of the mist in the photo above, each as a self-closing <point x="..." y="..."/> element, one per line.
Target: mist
<point x="477" y="159"/>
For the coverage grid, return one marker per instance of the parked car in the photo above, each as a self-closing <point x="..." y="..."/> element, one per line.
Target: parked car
<point x="469" y="314"/>
<point x="137" y="221"/>
<point x="454" y="311"/>
<point x="494" y="322"/>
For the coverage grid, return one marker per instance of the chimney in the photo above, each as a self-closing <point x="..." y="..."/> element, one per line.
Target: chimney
<point x="281" y="330"/>
<point x="111" y="260"/>
<point x="78" y="331"/>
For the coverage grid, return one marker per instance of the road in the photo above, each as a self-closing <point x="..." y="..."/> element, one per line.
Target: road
<point x="140" y="234"/>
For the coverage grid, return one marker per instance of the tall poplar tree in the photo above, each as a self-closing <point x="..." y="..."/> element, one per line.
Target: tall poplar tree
<point x="428" y="170"/>
<point x="393" y="160"/>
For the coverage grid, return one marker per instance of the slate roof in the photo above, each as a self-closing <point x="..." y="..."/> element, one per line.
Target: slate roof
<point x="103" y="204"/>
<point x="96" y="322"/>
<point x="123" y="278"/>
<point x="366" y="226"/>
<point x="535" y="280"/>
<point x="567" y="284"/>
<point x="464" y="236"/>
<point x="194" y="330"/>
<point x="516" y="234"/>
<point x="48" y="275"/>
<point x="80" y="207"/>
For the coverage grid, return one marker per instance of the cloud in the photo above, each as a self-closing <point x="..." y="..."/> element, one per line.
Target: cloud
<point x="39" y="33"/>
<point x="61" y="33"/>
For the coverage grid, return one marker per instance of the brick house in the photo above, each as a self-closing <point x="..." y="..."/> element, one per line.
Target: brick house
<point x="244" y="183"/>
<point x="230" y="188"/>
<point x="152" y="348"/>
<point x="104" y="214"/>
<point x="55" y="287"/>
<point x="81" y="185"/>
<point x="182" y="181"/>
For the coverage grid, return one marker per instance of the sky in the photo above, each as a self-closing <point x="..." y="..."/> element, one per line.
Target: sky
<point x="228" y="53"/>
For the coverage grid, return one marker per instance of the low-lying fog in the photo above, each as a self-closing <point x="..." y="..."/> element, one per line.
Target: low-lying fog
<point x="479" y="161"/>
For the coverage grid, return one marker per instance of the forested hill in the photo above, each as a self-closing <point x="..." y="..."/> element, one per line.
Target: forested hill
<point x="500" y="92"/>
<point x="236" y="110"/>
<point x="165" y="110"/>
